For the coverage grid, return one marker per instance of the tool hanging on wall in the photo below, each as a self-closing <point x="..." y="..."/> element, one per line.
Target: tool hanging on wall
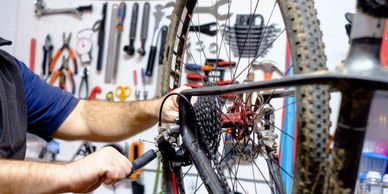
<point x="109" y="96"/>
<point x="143" y="80"/>
<point x="67" y="47"/>
<point x="84" y="149"/>
<point x="158" y="14"/>
<point x="137" y="91"/>
<point x="93" y="94"/>
<point x="144" y="28"/>
<point x="119" y="27"/>
<point x="163" y="36"/>
<point x="63" y="72"/>
<point x="112" y="73"/>
<point x="100" y="26"/>
<point x="42" y="10"/>
<point x="123" y="92"/>
<point x="268" y="67"/>
<point x="32" y="54"/>
<point x="84" y="84"/>
<point x="249" y="37"/>
<point x="111" y="45"/>
<point x="212" y="10"/>
<point x="47" y="54"/>
<point x="210" y="29"/>
<point x="130" y="49"/>
<point x="84" y="45"/>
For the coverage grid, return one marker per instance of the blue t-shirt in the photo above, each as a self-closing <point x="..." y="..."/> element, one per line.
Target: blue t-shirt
<point x="47" y="106"/>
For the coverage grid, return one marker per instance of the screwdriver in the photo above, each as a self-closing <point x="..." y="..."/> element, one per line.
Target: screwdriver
<point x="143" y="160"/>
<point x="143" y="80"/>
<point x="195" y="67"/>
<point x="137" y="91"/>
<point x="119" y="27"/>
<point x="196" y="76"/>
<point x="101" y="37"/>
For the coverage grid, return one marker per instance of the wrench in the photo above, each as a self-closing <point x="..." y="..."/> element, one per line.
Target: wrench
<point x="212" y="10"/>
<point x="158" y="14"/>
<point x="209" y="29"/>
<point x="41" y="9"/>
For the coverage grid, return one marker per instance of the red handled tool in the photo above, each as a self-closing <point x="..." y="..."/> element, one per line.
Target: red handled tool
<point x="193" y="85"/>
<point x="137" y="91"/>
<point x="223" y="63"/>
<point x="219" y="63"/>
<point x="196" y="77"/>
<point x="32" y="54"/>
<point x="226" y="82"/>
<point x="96" y="90"/>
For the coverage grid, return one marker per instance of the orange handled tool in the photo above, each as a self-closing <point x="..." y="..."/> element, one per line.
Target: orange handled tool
<point x="57" y="54"/>
<point x="135" y="151"/>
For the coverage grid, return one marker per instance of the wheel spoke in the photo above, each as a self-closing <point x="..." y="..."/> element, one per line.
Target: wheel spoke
<point x="263" y="176"/>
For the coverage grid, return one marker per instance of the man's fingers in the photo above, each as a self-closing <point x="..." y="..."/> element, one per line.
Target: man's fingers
<point x="118" y="166"/>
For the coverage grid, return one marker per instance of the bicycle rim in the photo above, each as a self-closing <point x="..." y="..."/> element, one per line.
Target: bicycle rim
<point x="312" y="102"/>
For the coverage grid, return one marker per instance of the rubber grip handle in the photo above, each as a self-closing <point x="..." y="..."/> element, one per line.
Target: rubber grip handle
<point x="44" y="62"/>
<point x="151" y="61"/>
<point x="145" y="20"/>
<point x="143" y="160"/>
<point x="101" y="37"/>
<point x="121" y="16"/>
<point x="163" y="39"/>
<point x="135" y="13"/>
<point x="85" y="8"/>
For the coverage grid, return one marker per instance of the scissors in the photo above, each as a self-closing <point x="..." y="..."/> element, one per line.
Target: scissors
<point x="123" y="92"/>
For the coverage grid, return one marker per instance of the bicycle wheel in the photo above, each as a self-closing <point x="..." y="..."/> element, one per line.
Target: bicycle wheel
<point x="312" y="102"/>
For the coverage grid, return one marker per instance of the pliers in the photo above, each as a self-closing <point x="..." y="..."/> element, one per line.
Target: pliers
<point x="47" y="54"/>
<point x="62" y="73"/>
<point x="84" y="83"/>
<point x="65" y="46"/>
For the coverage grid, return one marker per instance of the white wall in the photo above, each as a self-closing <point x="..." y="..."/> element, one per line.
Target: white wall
<point x="8" y="22"/>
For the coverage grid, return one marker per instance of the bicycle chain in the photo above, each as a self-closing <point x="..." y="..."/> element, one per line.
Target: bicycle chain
<point x="208" y="110"/>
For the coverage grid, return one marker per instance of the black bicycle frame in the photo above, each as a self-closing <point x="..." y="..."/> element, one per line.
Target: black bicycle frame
<point x="357" y="79"/>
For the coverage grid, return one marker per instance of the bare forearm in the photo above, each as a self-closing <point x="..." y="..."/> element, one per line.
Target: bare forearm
<point x="31" y="177"/>
<point x="109" y="121"/>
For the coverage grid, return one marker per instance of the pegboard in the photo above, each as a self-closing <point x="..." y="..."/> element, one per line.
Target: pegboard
<point x="29" y="26"/>
<point x="55" y="25"/>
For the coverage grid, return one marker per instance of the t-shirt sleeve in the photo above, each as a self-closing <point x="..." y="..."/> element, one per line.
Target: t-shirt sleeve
<point x="47" y="106"/>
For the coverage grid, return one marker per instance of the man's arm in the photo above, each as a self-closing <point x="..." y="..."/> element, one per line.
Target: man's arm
<point x="27" y="177"/>
<point x="113" y="121"/>
<point x="104" y="166"/>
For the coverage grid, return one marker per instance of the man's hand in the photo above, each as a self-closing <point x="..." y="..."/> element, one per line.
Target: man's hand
<point x="104" y="166"/>
<point x="170" y="108"/>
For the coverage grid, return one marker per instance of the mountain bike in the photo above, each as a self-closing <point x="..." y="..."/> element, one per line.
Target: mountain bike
<point x="217" y="135"/>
